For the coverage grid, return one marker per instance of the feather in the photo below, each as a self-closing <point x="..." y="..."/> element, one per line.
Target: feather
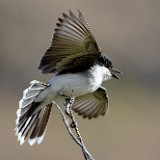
<point x="92" y="104"/>
<point x="71" y="41"/>
<point x="30" y="121"/>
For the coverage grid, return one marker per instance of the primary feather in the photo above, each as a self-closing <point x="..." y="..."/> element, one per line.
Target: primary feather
<point x="73" y="47"/>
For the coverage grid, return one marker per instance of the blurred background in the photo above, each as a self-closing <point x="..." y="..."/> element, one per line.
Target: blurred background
<point x="129" y="33"/>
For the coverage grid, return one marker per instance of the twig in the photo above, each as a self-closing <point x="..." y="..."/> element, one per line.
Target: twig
<point x="74" y="125"/>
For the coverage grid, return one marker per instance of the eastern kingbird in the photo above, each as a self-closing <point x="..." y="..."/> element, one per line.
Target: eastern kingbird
<point x="80" y="68"/>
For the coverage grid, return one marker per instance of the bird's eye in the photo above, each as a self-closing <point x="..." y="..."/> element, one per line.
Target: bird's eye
<point x="108" y="63"/>
<point x="104" y="57"/>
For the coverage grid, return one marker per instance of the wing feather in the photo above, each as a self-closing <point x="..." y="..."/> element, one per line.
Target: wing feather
<point x="73" y="46"/>
<point x="92" y="104"/>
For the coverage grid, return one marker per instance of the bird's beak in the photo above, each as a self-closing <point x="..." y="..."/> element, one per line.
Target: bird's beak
<point x="114" y="71"/>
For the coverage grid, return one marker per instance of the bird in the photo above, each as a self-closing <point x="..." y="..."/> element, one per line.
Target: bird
<point x="78" y="66"/>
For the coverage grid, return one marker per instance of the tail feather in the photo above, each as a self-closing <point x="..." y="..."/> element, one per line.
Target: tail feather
<point x="31" y="93"/>
<point x="30" y="123"/>
<point x="45" y="121"/>
<point x="24" y="131"/>
<point x="40" y="125"/>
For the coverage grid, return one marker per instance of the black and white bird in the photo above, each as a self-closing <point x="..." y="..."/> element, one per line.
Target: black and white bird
<point x="80" y="68"/>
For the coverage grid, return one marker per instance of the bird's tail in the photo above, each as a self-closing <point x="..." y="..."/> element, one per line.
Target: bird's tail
<point x="31" y="123"/>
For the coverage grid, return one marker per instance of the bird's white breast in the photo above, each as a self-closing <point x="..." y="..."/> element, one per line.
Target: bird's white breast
<point x="80" y="83"/>
<point x="67" y="84"/>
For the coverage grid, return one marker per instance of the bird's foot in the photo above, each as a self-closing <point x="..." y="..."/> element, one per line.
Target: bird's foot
<point x="70" y="100"/>
<point x="69" y="103"/>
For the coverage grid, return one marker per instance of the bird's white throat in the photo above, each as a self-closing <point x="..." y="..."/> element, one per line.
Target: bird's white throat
<point x="100" y="73"/>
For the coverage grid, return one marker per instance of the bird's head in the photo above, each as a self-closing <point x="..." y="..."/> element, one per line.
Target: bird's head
<point x="105" y="61"/>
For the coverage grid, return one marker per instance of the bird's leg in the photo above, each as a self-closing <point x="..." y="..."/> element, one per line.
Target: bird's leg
<point x="69" y="100"/>
<point x="69" y="103"/>
<point x="68" y="106"/>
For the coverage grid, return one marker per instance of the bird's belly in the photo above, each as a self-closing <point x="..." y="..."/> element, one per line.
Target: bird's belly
<point x="72" y="84"/>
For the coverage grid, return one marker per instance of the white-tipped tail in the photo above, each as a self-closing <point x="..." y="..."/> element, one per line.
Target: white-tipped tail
<point x="29" y="123"/>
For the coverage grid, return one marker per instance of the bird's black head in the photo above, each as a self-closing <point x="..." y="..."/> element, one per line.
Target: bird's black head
<point x="105" y="61"/>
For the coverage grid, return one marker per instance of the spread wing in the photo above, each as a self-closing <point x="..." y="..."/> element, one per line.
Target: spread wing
<point x="92" y="104"/>
<point x="73" y="46"/>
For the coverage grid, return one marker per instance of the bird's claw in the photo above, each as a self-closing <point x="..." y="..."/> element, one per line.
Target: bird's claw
<point x="70" y="100"/>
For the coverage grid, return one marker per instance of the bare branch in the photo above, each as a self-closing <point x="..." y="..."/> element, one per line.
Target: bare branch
<point x="78" y="138"/>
